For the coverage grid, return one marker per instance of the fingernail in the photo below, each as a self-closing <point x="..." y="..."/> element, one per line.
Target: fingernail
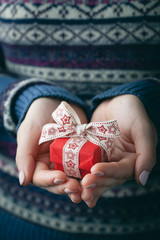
<point x="144" y="177"/>
<point x="91" y="185"/>
<point x="75" y="201"/>
<point x="58" y="181"/>
<point x="21" y="177"/>
<point x="99" y="174"/>
<point x="68" y="191"/>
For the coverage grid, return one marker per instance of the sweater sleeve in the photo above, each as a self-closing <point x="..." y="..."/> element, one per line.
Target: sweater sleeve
<point x="20" y="96"/>
<point x="147" y="90"/>
<point x="2" y="63"/>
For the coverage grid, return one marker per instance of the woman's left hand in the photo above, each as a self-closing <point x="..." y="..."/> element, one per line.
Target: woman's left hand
<point x="134" y="153"/>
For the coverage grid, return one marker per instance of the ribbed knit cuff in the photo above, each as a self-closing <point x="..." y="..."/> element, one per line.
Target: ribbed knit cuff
<point x="25" y="99"/>
<point x="25" y="92"/>
<point x="148" y="91"/>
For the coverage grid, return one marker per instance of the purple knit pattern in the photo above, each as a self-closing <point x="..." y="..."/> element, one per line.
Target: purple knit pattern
<point x="8" y="148"/>
<point x="83" y="57"/>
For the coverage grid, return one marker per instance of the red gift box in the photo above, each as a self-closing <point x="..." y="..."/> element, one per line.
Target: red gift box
<point x="77" y="147"/>
<point x="89" y="155"/>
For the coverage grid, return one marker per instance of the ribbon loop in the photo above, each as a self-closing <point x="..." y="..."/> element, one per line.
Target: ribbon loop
<point x="68" y="125"/>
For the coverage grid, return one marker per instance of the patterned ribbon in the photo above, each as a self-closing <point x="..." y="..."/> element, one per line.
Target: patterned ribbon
<point x="68" y="125"/>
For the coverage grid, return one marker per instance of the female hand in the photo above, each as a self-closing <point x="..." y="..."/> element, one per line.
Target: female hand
<point x="33" y="160"/>
<point x="134" y="151"/>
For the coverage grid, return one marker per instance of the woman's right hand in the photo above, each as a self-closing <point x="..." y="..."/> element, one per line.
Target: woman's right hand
<point x="33" y="160"/>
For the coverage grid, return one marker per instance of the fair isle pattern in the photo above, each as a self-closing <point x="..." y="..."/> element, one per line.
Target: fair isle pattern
<point x="8" y="165"/>
<point x="79" y="10"/>
<point x="94" y="34"/>
<point x="61" y="223"/>
<point x="83" y="24"/>
<point x="84" y="81"/>
<point x="18" y="198"/>
<point x="104" y="76"/>
<point x="140" y="57"/>
<point x="41" y="31"/>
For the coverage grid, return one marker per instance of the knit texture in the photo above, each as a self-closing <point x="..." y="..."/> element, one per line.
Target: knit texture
<point x="84" y="46"/>
<point x="88" y="48"/>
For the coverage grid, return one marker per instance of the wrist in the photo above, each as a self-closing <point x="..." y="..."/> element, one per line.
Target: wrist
<point x="106" y="107"/>
<point x="43" y="108"/>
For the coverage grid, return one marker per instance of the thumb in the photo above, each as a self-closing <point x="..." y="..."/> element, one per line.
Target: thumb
<point x="145" y="140"/>
<point x="27" y="140"/>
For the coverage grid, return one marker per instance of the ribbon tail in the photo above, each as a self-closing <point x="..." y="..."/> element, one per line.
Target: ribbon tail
<point x="70" y="159"/>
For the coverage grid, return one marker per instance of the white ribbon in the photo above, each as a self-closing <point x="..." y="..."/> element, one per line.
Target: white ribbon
<point x="68" y="125"/>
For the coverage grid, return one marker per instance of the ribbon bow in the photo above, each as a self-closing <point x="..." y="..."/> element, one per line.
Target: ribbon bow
<point x="68" y="125"/>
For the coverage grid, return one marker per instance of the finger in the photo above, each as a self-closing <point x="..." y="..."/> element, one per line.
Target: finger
<point x="27" y="139"/>
<point x="71" y="186"/>
<point x="90" y="196"/>
<point x="123" y="169"/>
<point x="44" y="177"/>
<point x="89" y="187"/>
<point x="73" y="189"/>
<point x="49" y="179"/>
<point x="91" y="181"/>
<point x="145" y="142"/>
<point x="93" y="187"/>
<point x="75" y="197"/>
<point x="92" y="201"/>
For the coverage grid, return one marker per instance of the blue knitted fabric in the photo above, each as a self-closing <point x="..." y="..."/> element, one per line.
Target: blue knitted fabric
<point x="81" y="51"/>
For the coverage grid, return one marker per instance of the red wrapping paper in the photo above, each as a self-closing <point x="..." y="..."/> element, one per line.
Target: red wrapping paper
<point x="89" y="155"/>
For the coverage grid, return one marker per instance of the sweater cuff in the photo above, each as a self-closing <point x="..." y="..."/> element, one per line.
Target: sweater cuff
<point x="25" y="92"/>
<point x="147" y="90"/>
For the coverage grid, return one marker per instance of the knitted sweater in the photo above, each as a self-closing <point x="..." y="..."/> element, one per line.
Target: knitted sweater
<point x="95" y="50"/>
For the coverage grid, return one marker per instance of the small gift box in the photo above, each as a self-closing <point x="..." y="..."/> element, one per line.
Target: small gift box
<point x="77" y="147"/>
<point x="63" y="152"/>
